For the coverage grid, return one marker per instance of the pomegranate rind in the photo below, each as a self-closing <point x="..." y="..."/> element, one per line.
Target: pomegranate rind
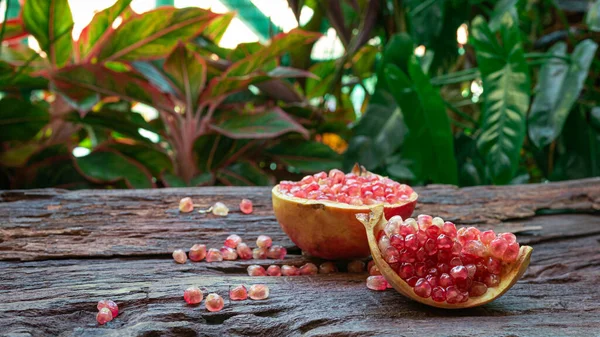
<point x="375" y="221"/>
<point x="329" y="229"/>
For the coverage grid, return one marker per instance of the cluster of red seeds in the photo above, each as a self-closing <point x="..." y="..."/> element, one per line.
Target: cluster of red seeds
<point x="186" y="205"/>
<point x="107" y="311"/>
<point x="444" y="263"/>
<point x="348" y="188"/>
<point x="286" y="270"/>
<point x="232" y="249"/>
<point x="214" y="302"/>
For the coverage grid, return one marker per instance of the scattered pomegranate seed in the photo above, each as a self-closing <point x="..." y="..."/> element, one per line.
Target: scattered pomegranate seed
<point x="258" y="292"/>
<point x="289" y="270"/>
<point x="193" y="295"/>
<point x="179" y="256"/>
<point x="186" y="205"/>
<point x="274" y="270"/>
<point x="112" y="306"/>
<point x="214" y="255"/>
<point x="277" y="252"/>
<point x="228" y="253"/>
<point x="377" y="282"/>
<point x="104" y="316"/>
<point x="197" y="252"/>
<point x="327" y="268"/>
<point x="264" y="241"/>
<point x="238" y="293"/>
<point x="356" y="266"/>
<point x="214" y="302"/>
<point x="308" y="269"/>
<point x="220" y="209"/>
<point x="259" y="253"/>
<point x="244" y="252"/>
<point x="232" y="241"/>
<point x="246" y="206"/>
<point x="256" y="270"/>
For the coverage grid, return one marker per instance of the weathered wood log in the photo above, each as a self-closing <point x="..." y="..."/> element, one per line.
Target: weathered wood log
<point x="91" y="245"/>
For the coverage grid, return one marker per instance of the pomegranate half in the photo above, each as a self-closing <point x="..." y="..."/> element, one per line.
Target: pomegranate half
<point x="319" y="212"/>
<point x="432" y="262"/>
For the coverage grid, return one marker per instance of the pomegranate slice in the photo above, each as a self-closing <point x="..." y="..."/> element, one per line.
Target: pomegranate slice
<point x="432" y="262"/>
<point x="318" y="213"/>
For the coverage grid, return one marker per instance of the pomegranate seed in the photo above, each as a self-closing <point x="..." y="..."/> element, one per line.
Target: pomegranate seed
<point x="459" y="273"/>
<point x="453" y="295"/>
<point x="456" y="249"/>
<point x="446" y="280"/>
<point x="509" y="237"/>
<point x="491" y="280"/>
<point x="238" y="293"/>
<point x="228" y="253"/>
<point x="471" y="269"/>
<point x="411" y="281"/>
<point x="214" y="302"/>
<point x="244" y="252"/>
<point x="406" y="271"/>
<point x="438" y="222"/>
<point x="220" y="209"/>
<point x="474" y="248"/>
<point x="432" y="280"/>
<point x="384" y="243"/>
<point x="494" y="266"/>
<point x="197" y="252"/>
<point x="498" y="247"/>
<point x="274" y="270"/>
<point x="430" y="246"/>
<point x="186" y="205"/>
<point x="233" y="241"/>
<point x="410" y="242"/>
<point x="258" y="292"/>
<point x="443" y="268"/>
<point x="356" y="266"/>
<point x="276" y="252"/>
<point x="449" y="229"/>
<point x="320" y="176"/>
<point x="455" y="261"/>
<point x="422" y="288"/>
<point x="421" y="255"/>
<point x="487" y="237"/>
<point x="259" y="253"/>
<point x="444" y="242"/>
<point x="256" y="270"/>
<point x="374" y="270"/>
<point x="477" y="289"/>
<point x="289" y="270"/>
<point x="179" y="256"/>
<point x="308" y="269"/>
<point x="214" y="255"/>
<point x="264" y="241"/>
<point x="511" y="253"/>
<point x="327" y="268"/>
<point x="377" y="282"/>
<point x="424" y="221"/>
<point x="433" y="232"/>
<point x="438" y="294"/>
<point x="192" y="295"/>
<point x="112" y="306"/>
<point x="246" y="206"/>
<point x="104" y="316"/>
<point x="391" y="255"/>
<point x="397" y="241"/>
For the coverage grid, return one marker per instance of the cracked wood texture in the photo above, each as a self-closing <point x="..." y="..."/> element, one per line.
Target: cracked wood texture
<point x="62" y="251"/>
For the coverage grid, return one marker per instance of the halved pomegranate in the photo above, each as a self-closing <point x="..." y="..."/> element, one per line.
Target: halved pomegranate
<point x="432" y="262"/>
<point x="318" y="213"/>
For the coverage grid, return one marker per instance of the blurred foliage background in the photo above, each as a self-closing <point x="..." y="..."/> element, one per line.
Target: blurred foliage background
<point x="159" y="93"/>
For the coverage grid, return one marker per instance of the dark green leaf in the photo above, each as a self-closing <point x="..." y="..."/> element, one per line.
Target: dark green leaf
<point x="104" y="166"/>
<point x="306" y="156"/>
<point x="212" y="151"/>
<point x="20" y="120"/>
<point x="244" y="174"/>
<point x="557" y="90"/>
<point x="363" y="61"/>
<point x="426" y="19"/>
<point x="154" y="73"/>
<point x="506" y="87"/>
<point x="325" y="72"/>
<point x="50" y="22"/>
<point x="153" y="159"/>
<point x="270" y="123"/>
<point x="500" y="9"/>
<point x="101" y="24"/>
<point x="592" y="19"/>
<point x="52" y="167"/>
<point x="125" y="123"/>
<point x="171" y="180"/>
<point x="361" y="150"/>
<point x="187" y="70"/>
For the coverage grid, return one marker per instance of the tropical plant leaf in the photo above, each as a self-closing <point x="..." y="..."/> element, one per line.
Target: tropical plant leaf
<point x="153" y="34"/>
<point x="153" y="71"/>
<point x="558" y="88"/>
<point x="104" y="166"/>
<point x="305" y="156"/>
<point x="270" y="123"/>
<point x="592" y="18"/>
<point x="100" y="25"/>
<point x="20" y="120"/>
<point x="187" y="71"/>
<point x="51" y="23"/>
<point x="83" y="84"/>
<point x="153" y="159"/>
<point x="426" y="19"/>
<point x="217" y="27"/>
<point x="214" y="151"/>
<point x="506" y="87"/>
<point x="244" y="173"/>
<point x="500" y="9"/>
<point x="325" y="72"/>
<point x="13" y="29"/>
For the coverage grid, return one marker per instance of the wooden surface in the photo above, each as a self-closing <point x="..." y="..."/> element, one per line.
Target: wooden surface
<point x="61" y="252"/>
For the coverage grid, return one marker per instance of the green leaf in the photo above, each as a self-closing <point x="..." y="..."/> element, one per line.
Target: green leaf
<point x="592" y="19"/>
<point x="244" y="174"/>
<point x="325" y="72"/>
<point x="426" y="19"/>
<point x="153" y="71"/>
<point x="103" y="166"/>
<point x="305" y="156"/>
<point x="363" y="61"/>
<point x="500" y="9"/>
<point x="361" y="150"/>
<point x="557" y="90"/>
<point x="83" y="84"/>
<point x="214" y="150"/>
<point x="100" y="25"/>
<point x="270" y="123"/>
<point x="13" y="29"/>
<point x="51" y="23"/>
<point x="153" y="159"/>
<point x="153" y="34"/>
<point x="187" y="71"/>
<point x="20" y="120"/>
<point x="217" y="27"/>
<point x="125" y="123"/>
<point x="52" y="166"/>
<point x="506" y="87"/>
